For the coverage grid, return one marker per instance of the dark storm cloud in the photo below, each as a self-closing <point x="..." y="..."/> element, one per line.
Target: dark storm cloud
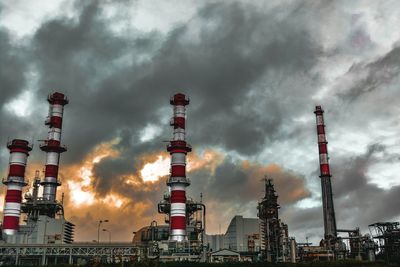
<point x="376" y="75"/>
<point x="217" y="71"/>
<point x="303" y="220"/>
<point x="360" y="202"/>
<point x="216" y="58"/>
<point x="242" y="182"/>
<point x="107" y="174"/>
<point x="229" y="178"/>
<point x="79" y="59"/>
<point x="12" y="78"/>
<point x="225" y="72"/>
<point x="350" y="175"/>
<point x="12" y="82"/>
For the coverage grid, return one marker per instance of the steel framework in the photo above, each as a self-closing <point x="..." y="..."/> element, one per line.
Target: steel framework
<point x="274" y="232"/>
<point x="18" y="252"/>
<point x="388" y="236"/>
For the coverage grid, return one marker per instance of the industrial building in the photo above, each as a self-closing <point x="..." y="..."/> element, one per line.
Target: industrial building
<point x="265" y="237"/>
<point x="243" y="235"/>
<point x="225" y="255"/>
<point x="35" y="229"/>
<point x="214" y="242"/>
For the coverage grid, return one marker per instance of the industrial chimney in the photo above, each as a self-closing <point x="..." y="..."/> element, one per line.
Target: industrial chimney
<point x="52" y="146"/>
<point x="19" y="152"/>
<point x="325" y="175"/>
<point x="178" y="148"/>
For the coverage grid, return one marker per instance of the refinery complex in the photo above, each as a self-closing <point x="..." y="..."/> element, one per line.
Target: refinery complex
<point x="35" y="228"/>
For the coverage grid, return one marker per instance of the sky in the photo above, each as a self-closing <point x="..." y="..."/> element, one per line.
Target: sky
<point x="254" y="71"/>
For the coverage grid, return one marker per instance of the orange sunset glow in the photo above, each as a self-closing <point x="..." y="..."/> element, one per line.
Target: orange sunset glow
<point x="84" y="206"/>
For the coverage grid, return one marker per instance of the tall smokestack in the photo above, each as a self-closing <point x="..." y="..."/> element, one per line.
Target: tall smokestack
<point x="52" y="146"/>
<point x="178" y="149"/>
<point x="327" y="197"/>
<point x="19" y="152"/>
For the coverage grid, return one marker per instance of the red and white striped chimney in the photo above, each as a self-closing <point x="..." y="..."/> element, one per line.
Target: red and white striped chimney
<point x="326" y="186"/>
<point x="178" y="148"/>
<point x="52" y="146"/>
<point x="322" y="143"/>
<point x="19" y="152"/>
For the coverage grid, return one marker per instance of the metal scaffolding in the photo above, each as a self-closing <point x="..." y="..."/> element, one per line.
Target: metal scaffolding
<point x="388" y="236"/>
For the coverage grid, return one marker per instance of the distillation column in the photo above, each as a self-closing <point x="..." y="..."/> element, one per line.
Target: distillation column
<point x="178" y="148"/>
<point x="52" y="146"/>
<point x="325" y="175"/>
<point x="19" y="152"/>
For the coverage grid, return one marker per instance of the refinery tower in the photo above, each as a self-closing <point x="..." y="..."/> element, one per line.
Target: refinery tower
<point x="44" y="215"/>
<point x="185" y="217"/>
<point x="178" y="148"/>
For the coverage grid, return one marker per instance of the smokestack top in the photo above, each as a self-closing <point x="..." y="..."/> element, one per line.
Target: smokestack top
<point x="19" y="145"/>
<point x="318" y="110"/>
<point x="57" y="98"/>
<point x="52" y="146"/>
<point x="179" y="99"/>
<point x="15" y="181"/>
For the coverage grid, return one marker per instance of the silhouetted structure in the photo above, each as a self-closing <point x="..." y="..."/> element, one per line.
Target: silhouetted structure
<point x="388" y="236"/>
<point x="275" y="241"/>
